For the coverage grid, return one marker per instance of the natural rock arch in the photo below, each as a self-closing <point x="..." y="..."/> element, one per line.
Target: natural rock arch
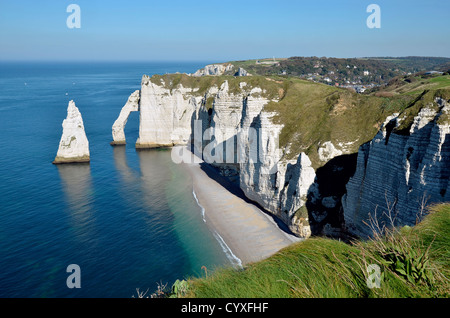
<point x="132" y="105"/>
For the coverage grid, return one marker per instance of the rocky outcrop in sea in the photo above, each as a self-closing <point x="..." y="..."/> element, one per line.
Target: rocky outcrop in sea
<point x="74" y="145"/>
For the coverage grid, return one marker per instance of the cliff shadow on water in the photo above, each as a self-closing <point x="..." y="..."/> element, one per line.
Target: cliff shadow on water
<point x="324" y="207"/>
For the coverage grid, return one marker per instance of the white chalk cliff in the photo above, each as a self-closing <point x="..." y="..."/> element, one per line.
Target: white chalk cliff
<point x="401" y="169"/>
<point x="165" y="115"/>
<point x="220" y="69"/>
<point x="213" y="69"/>
<point x="74" y="145"/>
<point x="132" y="105"/>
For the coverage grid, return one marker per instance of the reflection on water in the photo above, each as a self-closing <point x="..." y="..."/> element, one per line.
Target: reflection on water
<point x="156" y="201"/>
<point x="120" y="161"/>
<point x="155" y="174"/>
<point x="77" y="185"/>
<point x="168" y="186"/>
<point x="137" y="189"/>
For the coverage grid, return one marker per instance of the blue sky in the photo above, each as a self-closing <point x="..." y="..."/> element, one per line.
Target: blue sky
<point x="220" y="30"/>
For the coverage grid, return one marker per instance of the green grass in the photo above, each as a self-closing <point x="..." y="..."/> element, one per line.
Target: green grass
<point x="426" y="99"/>
<point x="313" y="113"/>
<point x="442" y="81"/>
<point x="300" y="269"/>
<point x="203" y="83"/>
<point x="415" y="84"/>
<point x="321" y="267"/>
<point x="435" y="230"/>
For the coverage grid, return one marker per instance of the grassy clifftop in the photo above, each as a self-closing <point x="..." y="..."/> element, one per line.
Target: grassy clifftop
<point x="321" y="267"/>
<point x="201" y="84"/>
<point x="314" y="113"/>
<point x="413" y="84"/>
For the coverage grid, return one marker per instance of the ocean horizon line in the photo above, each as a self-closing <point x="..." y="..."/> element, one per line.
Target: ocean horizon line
<point x="112" y="61"/>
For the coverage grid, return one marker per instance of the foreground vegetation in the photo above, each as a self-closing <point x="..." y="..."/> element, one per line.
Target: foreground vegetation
<point x="414" y="262"/>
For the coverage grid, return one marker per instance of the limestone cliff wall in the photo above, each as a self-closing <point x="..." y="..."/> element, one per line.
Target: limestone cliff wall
<point x="401" y="170"/>
<point x="165" y="115"/>
<point x="213" y="69"/>
<point x="279" y="185"/>
<point x="74" y="145"/>
<point x="132" y="105"/>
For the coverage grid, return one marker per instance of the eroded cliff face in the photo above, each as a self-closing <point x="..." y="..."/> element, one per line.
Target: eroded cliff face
<point x="401" y="170"/>
<point x="248" y="139"/>
<point x="214" y="70"/>
<point x="132" y="105"/>
<point x="220" y="69"/>
<point x="74" y="145"/>
<point x="278" y="185"/>
<point x="165" y="115"/>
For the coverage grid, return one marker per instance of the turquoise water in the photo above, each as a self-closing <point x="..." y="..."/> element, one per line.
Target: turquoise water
<point x="129" y="219"/>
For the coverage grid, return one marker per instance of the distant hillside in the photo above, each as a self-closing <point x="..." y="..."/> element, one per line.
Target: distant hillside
<point x="412" y="84"/>
<point x="345" y="71"/>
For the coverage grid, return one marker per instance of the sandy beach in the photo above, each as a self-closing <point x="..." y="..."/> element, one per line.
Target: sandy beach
<point x="248" y="233"/>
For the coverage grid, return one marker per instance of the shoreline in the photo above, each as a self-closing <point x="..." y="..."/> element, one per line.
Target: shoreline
<point x="248" y="233"/>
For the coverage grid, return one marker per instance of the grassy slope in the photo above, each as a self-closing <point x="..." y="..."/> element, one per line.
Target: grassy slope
<point x="435" y="230"/>
<point x="414" y="84"/>
<point x="321" y="267"/>
<point x="313" y="113"/>
<point x="422" y="88"/>
<point x="203" y="83"/>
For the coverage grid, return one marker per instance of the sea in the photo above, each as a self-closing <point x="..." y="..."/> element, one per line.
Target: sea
<point x="129" y="221"/>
